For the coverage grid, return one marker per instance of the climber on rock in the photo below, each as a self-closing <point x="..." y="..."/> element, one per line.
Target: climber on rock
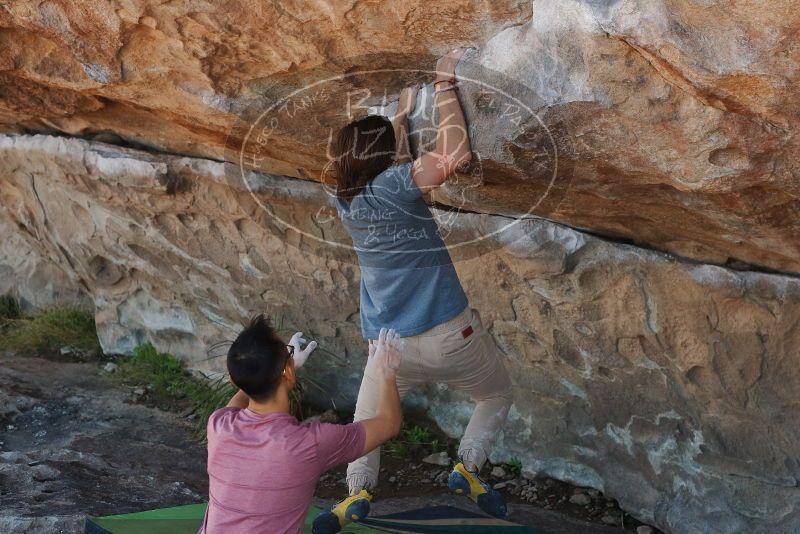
<point x="263" y="465"/>
<point x="408" y="280"/>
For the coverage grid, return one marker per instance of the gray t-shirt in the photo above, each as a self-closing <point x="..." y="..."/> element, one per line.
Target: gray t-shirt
<point x="408" y="281"/>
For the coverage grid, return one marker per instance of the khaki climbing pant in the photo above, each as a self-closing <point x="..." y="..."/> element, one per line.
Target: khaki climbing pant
<point x="461" y="354"/>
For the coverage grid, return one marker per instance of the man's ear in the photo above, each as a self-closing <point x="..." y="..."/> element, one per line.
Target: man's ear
<point x="288" y="371"/>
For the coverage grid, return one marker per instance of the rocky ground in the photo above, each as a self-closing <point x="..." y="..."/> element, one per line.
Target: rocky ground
<point x="75" y="442"/>
<point x="421" y="473"/>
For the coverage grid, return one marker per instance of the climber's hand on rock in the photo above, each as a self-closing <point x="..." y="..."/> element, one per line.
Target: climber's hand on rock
<point x="446" y="66"/>
<point x="301" y="354"/>
<point x="408" y="100"/>
<point x="387" y="353"/>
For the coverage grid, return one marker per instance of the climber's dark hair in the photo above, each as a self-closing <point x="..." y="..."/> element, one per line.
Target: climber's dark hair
<point x="256" y="359"/>
<point x="361" y="151"/>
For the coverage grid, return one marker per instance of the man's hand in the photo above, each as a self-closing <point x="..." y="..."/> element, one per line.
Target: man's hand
<point x="387" y="353"/>
<point x="301" y="354"/>
<point x="446" y="66"/>
<point x="408" y="100"/>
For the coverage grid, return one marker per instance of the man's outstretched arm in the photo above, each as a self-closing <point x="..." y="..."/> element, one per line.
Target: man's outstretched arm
<point x="386" y="424"/>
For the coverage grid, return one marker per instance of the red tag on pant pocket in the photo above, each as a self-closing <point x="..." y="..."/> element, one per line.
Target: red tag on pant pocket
<point x="467" y="332"/>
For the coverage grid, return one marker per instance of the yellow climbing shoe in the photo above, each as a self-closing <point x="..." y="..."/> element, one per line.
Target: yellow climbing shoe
<point x="488" y="499"/>
<point x="342" y="513"/>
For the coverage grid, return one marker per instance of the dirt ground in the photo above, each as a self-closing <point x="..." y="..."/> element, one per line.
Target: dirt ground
<point x="75" y="442"/>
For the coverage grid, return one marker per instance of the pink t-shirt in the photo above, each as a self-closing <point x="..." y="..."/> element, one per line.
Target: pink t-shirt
<point x="263" y="469"/>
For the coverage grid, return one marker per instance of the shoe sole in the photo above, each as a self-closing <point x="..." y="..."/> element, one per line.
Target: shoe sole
<point x="458" y="483"/>
<point x="490" y="501"/>
<point x="357" y="510"/>
<point x="328" y="523"/>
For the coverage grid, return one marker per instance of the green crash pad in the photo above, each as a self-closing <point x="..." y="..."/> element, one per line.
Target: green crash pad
<point x="187" y="519"/>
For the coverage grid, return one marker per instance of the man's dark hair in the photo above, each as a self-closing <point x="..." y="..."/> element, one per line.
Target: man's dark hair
<point x="361" y="151"/>
<point x="256" y="359"/>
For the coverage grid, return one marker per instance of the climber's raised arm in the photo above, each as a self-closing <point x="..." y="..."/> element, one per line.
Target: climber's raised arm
<point x="452" y="147"/>
<point x="405" y="105"/>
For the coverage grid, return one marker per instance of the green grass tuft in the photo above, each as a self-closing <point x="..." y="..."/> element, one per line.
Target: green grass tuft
<point x="57" y="327"/>
<point x="9" y="308"/>
<point x="396" y="448"/>
<point x="162" y="372"/>
<point x="515" y="465"/>
<point x="418" y="435"/>
<point x="167" y="376"/>
<point x="416" y="439"/>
